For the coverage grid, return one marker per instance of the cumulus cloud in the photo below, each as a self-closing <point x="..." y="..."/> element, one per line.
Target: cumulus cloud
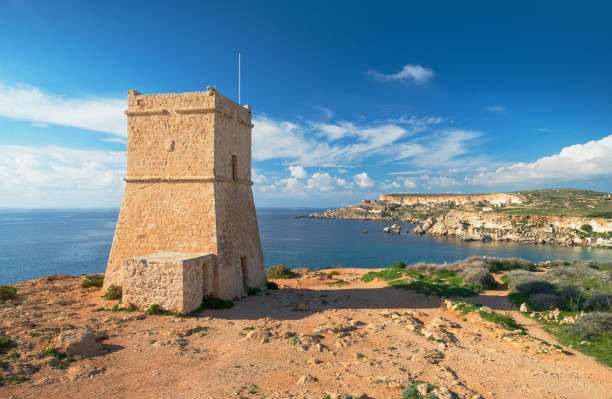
<point x="257" y="177"/>
<point x="298" y="172"/>
<point x="363" y="180"/>
<point x="29" y="103"/>
<point x="416" y="73"/>
<point x="61" y="176"/>
<point x="320" y="182"/>
<point x="579" y="162"/>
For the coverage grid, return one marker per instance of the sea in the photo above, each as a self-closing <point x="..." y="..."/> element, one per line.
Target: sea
<point x="35" y="243"/>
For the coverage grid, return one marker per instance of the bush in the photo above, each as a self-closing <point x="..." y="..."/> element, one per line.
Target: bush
<point x="5" y="340"/>
<point x="96" y="282"/>
<point x="210" y="302"/>
<point x="155" y="309"/>
<point x="535" y="286"/>
<point x="272" y="285"/>
<point x="543" y="301"/>
<point x="599" y="302"/>
<point x="252" y="291"/>
<point x="591" y="326"/>
<point x="586" y="227"/>
<point x="411" y="392"/>
<point x="7" y="292"/>
<point x="281" y="272"/>
<point x="478" y="276"/>
<point x="114" y="292"/>
<point x="399" y="265"/>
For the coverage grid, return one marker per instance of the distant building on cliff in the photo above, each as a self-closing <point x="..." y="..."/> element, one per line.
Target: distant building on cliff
<point x="188" y="196"/>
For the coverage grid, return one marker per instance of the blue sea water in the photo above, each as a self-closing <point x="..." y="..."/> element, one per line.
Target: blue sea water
<point x="36" y="243"/>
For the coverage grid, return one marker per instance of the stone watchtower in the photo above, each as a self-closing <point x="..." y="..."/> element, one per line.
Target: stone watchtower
<point x="188" y="193"/>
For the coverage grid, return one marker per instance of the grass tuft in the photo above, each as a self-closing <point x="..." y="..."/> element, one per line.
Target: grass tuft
<point x="7" y="292"/>
<point x="114" y="292"/>
<point x="96" y="282"/>
<point x="281" y="272"/>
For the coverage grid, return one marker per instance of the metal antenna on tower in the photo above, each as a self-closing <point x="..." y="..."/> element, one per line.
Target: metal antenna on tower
<point x="239" y="59"/>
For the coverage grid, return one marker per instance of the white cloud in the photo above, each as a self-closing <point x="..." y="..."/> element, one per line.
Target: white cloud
<point x="416" y="73"/>
<point x="30" y="103"/>
<point x="117" y="140"/>
<point x="409" y="183"/>
<point x="298" y="172"/>
<point x="442" y="181"/>
<point x="363" y="180"/>
<point x="386" y="185"/>
<point x="55" y="176"/>
<point x="257" y="177"/>
<point x="336" y="144"/>
<point x="321" y="182"/>
<point x="444" y="147"/>
<point x="579" y="162"/>
<point x="496" y="108"/>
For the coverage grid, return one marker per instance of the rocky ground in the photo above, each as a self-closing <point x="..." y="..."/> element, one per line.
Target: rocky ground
<point x="318" y="336"/>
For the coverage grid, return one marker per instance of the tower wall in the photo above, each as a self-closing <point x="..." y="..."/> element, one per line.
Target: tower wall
<point x="188" y="187"/>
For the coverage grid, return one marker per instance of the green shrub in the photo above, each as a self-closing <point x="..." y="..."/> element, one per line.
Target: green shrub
<point x="210" y="302"/>
<point x="591" y="326"/>
<point x="252" y="291"/>
<point x="5" y="340"/>
<point x="96" y="282"/>
<point x="599" y="302"/>
<point x="114" y="292"/>
<point x="478" y="276"/>
<point x="338" y="282"/>
<point x="157" y="310"/>
<point x="411" y="392"/>
<point x="272" y="285"/>
<point x="586" y="227"/>
<point x="281" y="272"/>
<point x="543" y="301"/>
<point x="7" y="292"/>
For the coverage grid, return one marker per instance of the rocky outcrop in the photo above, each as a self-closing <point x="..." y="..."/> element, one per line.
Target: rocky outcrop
<point x="478" y="226"/>
<point x="494" y="199"/>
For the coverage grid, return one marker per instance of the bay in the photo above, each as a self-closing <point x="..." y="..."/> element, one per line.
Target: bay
<point x="35" y="243"/>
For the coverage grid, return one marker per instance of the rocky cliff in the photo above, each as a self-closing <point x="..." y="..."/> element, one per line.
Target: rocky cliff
<point x="481" y="226"/>
<point x="556" y="216"/>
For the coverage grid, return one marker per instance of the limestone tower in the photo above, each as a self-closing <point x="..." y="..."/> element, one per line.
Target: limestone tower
<point x="188" y="187"/>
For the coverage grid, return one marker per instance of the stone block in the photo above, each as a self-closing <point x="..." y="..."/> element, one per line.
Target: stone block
<point x="176" y="281"/>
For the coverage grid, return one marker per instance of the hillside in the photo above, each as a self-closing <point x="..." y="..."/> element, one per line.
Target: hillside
<point x="555" y="216"/>
<point x="370" y="333"/>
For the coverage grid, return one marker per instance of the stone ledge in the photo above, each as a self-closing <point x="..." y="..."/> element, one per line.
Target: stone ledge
<point x="184" y="179"/>
<point x="176" y="281"/>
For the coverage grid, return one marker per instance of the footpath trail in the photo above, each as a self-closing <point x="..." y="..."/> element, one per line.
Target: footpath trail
<point x="316" y="336"/>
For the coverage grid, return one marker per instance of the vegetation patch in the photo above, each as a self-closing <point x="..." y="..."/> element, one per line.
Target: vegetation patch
<point x="591" y="334"/>
<point x="281" y="272"/>
<point x="211" y="302"/>
<point x="5" y="340"/>
<point x="338" y="283"/>
<point x="114" y="292"/>
<point x="96" y="282"/>
<point x="570" y="286"/>
<point x="7" y="292"/>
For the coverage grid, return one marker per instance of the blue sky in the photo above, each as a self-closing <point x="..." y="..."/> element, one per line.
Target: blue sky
<point x="350" y="99"/>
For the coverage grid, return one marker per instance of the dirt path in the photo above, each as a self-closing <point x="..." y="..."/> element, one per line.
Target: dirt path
<point x="357" y="339"/>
